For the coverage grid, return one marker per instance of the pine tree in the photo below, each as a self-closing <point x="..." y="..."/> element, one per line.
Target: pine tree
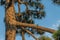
<point x="23" y="20"/>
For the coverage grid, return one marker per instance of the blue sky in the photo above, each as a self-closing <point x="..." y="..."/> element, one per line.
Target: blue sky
<point x="52" y="19"/>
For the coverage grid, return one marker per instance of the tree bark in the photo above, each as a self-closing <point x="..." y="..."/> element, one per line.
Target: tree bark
<point x="23" y="37"/>
<point x="10" y="33"/>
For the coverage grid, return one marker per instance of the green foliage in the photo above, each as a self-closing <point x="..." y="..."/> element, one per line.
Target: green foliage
<point x="40" y="32"/>
<point x="2" y="2"/>
<point x="44" y="38"/>
<point x="57" y="34"/>
<point x="28" y="15"/>
<point x="35" y="4"/>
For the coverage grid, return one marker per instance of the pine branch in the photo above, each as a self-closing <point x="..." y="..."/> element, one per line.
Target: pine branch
<point x="29" y="32"/>
<point x="13" y="22"/>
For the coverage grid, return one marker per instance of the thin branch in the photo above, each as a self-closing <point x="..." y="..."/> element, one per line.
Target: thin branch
<point x="23" y="38"/>
<point x="20" y="2"/>
<point x="29" y="32"/>
<point x="18" y="8"/>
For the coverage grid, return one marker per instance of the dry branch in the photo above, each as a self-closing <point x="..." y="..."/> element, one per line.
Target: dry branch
<point x="32" y="26"/>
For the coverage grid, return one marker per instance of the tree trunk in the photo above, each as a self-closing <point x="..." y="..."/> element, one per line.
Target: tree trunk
<point x="10" y="34"/>
<point x="10" y="14"/>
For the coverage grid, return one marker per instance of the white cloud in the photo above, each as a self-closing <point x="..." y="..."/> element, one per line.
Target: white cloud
<point x="56" y="25"/>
